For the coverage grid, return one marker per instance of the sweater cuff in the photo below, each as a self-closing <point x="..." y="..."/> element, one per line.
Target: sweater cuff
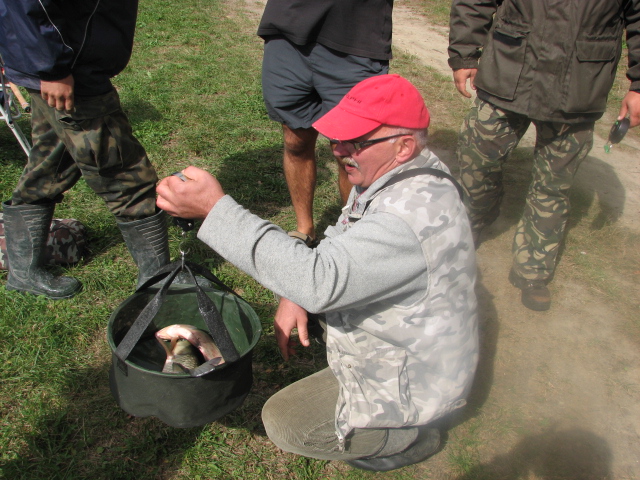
<point x="457" y="63"/>
<point x="218" y="213"/>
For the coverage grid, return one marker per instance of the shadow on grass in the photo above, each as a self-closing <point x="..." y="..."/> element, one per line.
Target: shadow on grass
<point x="254" y="178"/>
<point x="597" y="186"/>
<point x="571" y="454"/>
<point x="70" y="440"/>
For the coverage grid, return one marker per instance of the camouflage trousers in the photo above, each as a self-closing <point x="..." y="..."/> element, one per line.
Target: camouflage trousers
<point x="487" y="137"/>
<point x="95" y="142"/>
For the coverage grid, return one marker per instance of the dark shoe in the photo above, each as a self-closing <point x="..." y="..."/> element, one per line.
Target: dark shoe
<point x="422" y="448"/>
<point x="535" y="294"/>
<point x="308" y="240"/>
<point x="317" y="327"/>
<point x="26" y="230"/>
<point x="476" y="237"/>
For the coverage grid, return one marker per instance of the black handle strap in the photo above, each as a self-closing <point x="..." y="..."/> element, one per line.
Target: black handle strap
<point x="414" y="172"/>
<point x="210" y="313"/>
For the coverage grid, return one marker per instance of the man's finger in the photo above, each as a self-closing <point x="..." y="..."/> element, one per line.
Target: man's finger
<point x="303" y="335"/>
<point x="283" y="342"/>
<point x="462" y="88"/>
<point x="623" y="111"/>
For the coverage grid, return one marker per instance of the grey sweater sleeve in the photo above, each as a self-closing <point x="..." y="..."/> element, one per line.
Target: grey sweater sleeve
<point x="378" y="259"/>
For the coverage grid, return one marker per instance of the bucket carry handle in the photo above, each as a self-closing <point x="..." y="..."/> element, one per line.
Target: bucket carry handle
<point x="210" y="313"/>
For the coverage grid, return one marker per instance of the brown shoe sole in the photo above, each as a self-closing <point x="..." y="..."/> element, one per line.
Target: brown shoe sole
<point x="535" y="294"/>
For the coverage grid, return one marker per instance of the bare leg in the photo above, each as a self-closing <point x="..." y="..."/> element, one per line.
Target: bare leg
<point x="343" y="184"/>
<point x="300" y="172"/>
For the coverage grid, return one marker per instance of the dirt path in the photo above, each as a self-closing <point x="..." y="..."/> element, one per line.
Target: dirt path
<point x="565" y="386"/>
<point x="558" y="391"/>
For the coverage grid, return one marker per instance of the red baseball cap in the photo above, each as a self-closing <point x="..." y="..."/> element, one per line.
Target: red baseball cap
<point x="380" y="100"/>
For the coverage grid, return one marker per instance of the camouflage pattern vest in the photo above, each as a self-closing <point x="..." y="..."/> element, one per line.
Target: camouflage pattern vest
<point x="411" y="361"/>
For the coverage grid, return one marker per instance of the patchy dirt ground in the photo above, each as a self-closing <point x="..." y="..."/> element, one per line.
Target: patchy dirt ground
<point x="557" y="392"/>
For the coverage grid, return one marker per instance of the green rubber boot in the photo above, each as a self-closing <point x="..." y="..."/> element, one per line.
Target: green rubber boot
<point x="148" y="242"/>
<point x="26" y="230"/>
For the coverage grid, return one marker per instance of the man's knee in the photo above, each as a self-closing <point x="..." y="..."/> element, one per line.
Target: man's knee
<point x="282" y="425"/>
<point x="300" y="143"/>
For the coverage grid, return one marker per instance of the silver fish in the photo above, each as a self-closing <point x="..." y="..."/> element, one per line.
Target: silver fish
<point x="183" y="356"/>
<point x="173" y="334"/>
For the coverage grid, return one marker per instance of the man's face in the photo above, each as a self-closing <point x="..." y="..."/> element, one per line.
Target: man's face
<point x="364" y="166"/>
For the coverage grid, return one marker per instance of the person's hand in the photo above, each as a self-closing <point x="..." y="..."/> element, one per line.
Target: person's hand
<point x="192" y="199"/>
<point x="460" y="78"/>
<point x="288" y="317"/>
<point x="630" y="105"/>
<point x="58" y="93"/>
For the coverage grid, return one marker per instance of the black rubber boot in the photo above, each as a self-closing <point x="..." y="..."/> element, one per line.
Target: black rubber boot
<point x="148" y="242"/>
<point x="26" y="230"/>
<point x="425" y="445"/>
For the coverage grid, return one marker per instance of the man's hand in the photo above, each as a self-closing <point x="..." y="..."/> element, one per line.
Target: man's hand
<point x="192" y="199"/>
<point x="460" y="78"/>
<point x="631" y="105"/>
<point x="288" y="317"/>
<point x="58" y="94"/>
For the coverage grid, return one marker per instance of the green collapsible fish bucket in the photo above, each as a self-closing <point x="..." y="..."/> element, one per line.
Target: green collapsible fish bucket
<point x="196" y="396"/>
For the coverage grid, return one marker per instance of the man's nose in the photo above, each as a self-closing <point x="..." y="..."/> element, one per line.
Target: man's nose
<point x="340" y="150"/>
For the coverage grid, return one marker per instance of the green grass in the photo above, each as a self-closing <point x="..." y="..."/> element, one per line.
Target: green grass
<point x="192" y="92"/>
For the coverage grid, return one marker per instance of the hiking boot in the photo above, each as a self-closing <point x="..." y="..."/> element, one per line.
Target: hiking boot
<point x="425" y="445"/>
<point x="535" y="294"/>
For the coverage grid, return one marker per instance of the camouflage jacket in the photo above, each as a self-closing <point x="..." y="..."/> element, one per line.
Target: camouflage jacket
<point x="397" y="287"/>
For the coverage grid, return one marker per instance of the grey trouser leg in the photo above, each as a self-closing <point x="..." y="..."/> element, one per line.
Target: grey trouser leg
<point x="301" y="419"/>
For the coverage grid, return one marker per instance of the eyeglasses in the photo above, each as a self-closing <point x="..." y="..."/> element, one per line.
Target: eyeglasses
<point x="357" y="146"/>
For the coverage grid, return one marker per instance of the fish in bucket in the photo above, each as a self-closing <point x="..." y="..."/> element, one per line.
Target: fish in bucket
<point x="182" y="352"/>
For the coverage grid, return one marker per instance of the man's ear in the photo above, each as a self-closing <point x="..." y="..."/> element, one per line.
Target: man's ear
<point x="407" y="149"/>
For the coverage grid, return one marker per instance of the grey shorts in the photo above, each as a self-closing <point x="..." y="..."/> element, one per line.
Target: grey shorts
<point x="302" y="83"/>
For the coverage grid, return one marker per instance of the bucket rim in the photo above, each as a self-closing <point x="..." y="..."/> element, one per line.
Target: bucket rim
<point x="152" y="290"/>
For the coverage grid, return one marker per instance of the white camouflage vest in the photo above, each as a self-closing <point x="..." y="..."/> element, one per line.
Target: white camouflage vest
<point x="409" y="364"/>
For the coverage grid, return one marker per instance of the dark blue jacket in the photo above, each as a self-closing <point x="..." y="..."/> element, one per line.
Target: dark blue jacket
<point x="50" y="39"/>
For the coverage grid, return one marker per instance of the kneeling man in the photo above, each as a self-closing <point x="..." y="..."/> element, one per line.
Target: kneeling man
<point x="394" y="278"/>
